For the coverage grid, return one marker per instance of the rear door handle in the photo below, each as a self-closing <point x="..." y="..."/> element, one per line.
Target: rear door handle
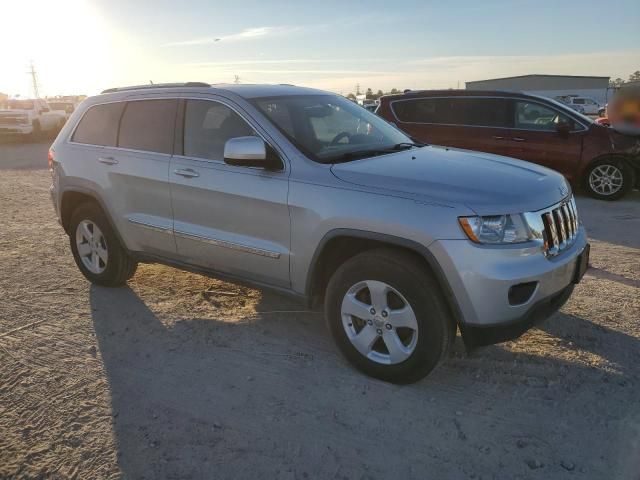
<point x="498" y="137"/>
<point x="186" y="172"/>
<point x="108" y="160"/>
<point x="518" y="139"/>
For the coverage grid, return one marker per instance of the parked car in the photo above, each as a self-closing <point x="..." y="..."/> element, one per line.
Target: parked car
<point x="64" y="108"/>
<point x="29" y="118"/>
<point x="307" y="193"/>
<point x="585" y="105"/>
<point x="522" y="126"/>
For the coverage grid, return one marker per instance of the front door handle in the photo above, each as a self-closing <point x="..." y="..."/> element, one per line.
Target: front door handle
<point x="518" y="139"/>
<point x="186" y="172"/>
<point x="498" y="137"/>
<point x="108" y="160"/>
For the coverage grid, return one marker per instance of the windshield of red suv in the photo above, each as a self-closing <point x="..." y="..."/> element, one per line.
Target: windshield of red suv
<point x="20" y="105"/>
<point x="330" y="128"/>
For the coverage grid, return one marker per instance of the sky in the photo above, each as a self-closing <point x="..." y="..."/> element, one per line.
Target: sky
<point x="84" y="46"/>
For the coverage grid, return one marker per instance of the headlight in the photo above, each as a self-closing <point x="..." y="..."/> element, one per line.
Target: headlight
<point x="496" y="229"/>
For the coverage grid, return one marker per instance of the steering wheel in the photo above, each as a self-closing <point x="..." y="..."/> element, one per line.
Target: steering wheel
<point x="339" y="137"/>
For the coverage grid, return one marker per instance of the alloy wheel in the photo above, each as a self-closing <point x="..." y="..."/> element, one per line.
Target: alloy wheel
<point x="92" y="247"/>
<point x="379" y="322"/>
<point x="606" y="179"/>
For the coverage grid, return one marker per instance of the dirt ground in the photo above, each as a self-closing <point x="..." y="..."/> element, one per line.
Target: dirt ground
<point x="179" y="376"/>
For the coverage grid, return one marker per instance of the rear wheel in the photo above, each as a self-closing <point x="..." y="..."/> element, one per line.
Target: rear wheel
<point x="96" y="249"/>
<point x="608" y="179"/>
<point x="387" y="316"/>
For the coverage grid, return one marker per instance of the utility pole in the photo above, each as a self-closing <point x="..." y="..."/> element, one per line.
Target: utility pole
<point x="34" y="79"/>
<point x="358" y="89"/>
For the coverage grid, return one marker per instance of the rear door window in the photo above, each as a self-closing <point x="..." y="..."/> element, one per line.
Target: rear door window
<point x="99" y="125"/>
<point x="480" y="112"/>
<point x="148" y="125"/>
<point x="207" y="127"/>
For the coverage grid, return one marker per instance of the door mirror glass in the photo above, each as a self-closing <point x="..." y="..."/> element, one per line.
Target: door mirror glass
<point x="247" y="152"/>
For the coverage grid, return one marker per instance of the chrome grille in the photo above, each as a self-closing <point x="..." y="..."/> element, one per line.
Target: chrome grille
<point x="11" y="120"/>
<point x="560" y="227"/>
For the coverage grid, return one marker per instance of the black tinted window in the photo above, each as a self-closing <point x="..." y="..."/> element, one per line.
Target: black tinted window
<point x="487" y="112"/>
<point x="99" y="125"/>
<point x="207" y="127"/>
<point x="148" y="125"/>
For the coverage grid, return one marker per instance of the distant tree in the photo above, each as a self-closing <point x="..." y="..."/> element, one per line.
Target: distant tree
<point x="351" y="97"/>
<point x="379" y="94"/>
<point x="618" y="82"/>
<point x="635" y="76"/>
<point x="369" y="93"/>
<point x="394" y="91"/>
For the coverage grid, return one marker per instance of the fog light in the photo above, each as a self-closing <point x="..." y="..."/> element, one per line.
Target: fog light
<point x="521" y="293"/>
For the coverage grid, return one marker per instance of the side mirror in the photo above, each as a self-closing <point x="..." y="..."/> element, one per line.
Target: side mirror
<point x="563" y="128"/>
<point x="250" y="152"/>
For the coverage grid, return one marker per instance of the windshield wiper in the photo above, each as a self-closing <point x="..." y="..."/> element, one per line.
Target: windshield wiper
<point x="348" y="156"/>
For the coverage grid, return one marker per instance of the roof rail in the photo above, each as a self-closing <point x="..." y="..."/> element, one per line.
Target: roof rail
<point x="156" y="85"/>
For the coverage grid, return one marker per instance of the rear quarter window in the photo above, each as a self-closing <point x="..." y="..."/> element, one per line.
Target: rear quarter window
<point x="99" y="125"/>
<point x="148" y="125"/>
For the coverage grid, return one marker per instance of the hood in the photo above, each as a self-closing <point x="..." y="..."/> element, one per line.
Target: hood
<point x="487" y="184"/>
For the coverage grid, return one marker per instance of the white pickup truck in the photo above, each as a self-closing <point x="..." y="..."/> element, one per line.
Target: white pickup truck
<point x="63" y="107"/>
<point x="585" y="105"/>
<point x="29" y="117"/>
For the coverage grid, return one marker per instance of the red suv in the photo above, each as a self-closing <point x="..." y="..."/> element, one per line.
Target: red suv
<point x="522" y="126"/>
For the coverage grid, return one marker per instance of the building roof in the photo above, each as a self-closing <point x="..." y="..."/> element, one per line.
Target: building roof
<point x="538" y="75"/>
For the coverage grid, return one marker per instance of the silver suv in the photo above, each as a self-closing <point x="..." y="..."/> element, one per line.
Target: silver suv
<point x="307" y="193"/>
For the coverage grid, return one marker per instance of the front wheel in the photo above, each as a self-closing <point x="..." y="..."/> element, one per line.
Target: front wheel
<point x="36" y="132"/>
<point x="387" y="316"/>
<point x="608" y="179"/>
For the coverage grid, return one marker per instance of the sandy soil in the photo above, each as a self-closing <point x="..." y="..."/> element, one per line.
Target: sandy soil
<point x="179" y="376"/>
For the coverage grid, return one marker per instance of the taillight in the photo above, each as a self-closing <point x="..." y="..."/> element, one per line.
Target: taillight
<point x="50" y="159"/>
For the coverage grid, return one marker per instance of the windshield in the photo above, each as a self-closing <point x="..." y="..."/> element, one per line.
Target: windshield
<point x="20" y="105"/>
<point x="330" y="128"/>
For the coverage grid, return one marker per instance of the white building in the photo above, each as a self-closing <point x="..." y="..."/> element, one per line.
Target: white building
<point x="550" y="86"/>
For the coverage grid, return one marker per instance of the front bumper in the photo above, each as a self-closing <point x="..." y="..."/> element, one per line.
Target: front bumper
<point x="16" y="129"/>
<point x="481" y="277"/>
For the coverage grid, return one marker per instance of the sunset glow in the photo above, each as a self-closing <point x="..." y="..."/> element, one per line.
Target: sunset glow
<point x="83" y="46"/>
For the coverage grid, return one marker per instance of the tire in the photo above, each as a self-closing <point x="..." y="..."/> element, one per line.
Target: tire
<point x="406" y="284"/>
<point x="91" y="232"/>
<point x="36" y="133"/>
<point x="616" y="175"/>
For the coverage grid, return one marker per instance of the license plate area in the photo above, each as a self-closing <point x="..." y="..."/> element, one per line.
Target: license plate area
<point x="582" y="264"/>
